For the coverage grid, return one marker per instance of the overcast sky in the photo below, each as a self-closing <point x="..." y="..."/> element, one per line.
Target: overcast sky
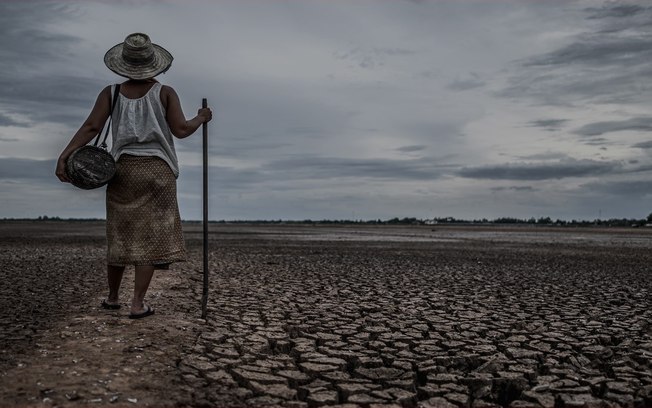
<point x="348" y="109"/>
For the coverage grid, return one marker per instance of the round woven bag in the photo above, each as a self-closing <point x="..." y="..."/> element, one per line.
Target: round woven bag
<point x="90" y="167"/>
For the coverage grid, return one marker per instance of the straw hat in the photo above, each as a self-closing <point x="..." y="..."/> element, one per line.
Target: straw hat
<point x="138" y="58"/>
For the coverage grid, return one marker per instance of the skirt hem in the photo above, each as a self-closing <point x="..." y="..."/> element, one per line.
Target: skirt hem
<point x="158" y="261"/>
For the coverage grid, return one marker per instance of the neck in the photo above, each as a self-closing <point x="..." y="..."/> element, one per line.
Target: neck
<point x="142" y="81"/>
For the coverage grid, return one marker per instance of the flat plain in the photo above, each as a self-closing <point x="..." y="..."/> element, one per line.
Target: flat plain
<point x="309" y="315"/>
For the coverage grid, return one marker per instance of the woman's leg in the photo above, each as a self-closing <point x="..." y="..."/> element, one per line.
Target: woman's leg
<point x="141" y="283"/>
<point x="114" y="276"/>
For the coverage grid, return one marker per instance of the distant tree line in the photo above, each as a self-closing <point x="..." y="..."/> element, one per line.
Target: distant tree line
<point x="611" y="222"/>
<point x="47" y="218"/>
<point x="541" y="221"/>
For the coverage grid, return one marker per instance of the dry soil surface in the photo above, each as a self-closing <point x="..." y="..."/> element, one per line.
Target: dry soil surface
<point x="314" y="315"/>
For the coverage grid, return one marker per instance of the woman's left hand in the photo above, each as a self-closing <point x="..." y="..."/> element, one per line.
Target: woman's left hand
<point x="205" y="114"/>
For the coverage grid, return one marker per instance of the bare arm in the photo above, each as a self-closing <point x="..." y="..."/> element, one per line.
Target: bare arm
<point x="179" y="126"/>
<point x="88" y="130"/>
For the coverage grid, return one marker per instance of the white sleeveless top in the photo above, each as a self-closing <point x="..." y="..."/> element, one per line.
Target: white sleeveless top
<point x="140" y="128"/>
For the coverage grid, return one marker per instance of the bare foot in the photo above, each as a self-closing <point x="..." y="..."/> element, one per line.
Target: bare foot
<point x="139" y="314"/>
<point x="107" y="304"/>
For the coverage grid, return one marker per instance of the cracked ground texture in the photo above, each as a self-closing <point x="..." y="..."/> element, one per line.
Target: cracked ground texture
<point x="315" y="315"/>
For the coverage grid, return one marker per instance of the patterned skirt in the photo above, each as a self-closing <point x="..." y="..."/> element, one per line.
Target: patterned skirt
<point x="143" y="226"/>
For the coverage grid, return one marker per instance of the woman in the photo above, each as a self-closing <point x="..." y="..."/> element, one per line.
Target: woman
<point x="142" y="219"/>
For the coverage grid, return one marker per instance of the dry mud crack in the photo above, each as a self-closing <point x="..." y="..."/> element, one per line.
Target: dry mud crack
<point x="309" y="316"/>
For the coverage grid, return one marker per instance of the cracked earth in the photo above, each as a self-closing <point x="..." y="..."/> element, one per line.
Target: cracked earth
<point x="315" y="315"/>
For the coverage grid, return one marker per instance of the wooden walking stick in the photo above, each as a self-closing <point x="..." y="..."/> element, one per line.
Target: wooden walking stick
<point x="204" y="299"/>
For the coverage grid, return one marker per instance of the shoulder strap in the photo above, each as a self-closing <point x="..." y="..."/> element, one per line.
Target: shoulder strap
<point x="114" y="100"/>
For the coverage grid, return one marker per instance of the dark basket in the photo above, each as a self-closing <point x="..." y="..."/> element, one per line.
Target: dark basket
<point x="90" y="167"/>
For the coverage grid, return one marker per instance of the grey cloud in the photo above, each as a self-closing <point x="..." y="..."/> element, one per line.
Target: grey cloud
<point x="306" y="130"/>
<point x="624" y="19"/>
<point x="596" y="141"/>
<point x="26" y="40"/>
<point x="441" y="131"/>
<point x="334" y="167"/>
<point x="564" y="86"/>
<point x="431" y="74"/>
<point x="371" y="58"/>
<point x="514" y="188"/>
<point x="227" y="178"/>
<point x="284" y="172"/>
<point x="263" y="120"/>
<point x="360" y="59"/>
<point x="8" y="139"/>
<point x="52" y="98"/>
<point x="7" y="121"/>
<point x="600" y="128"/>
<point x="28" y="58"/>
<point x="393" y="51"/>
<point x="540" y="171"/>
<point x="268" y="115"/>
<point x="598" y="51"/>
<point x="639" y="169"/>
<point x="609" y="63"/>
<point x="51" y="90"/>
<point x="635" y="188"/>
<point x="357" y="52"/>
<point x="471" y="81"/>
<point x="618" y="11"/>
<point x="244" y="147"/>
<point x="411" y="148"/>
<point x="465" y="85"/>
<point x="644" y="145"/>
<point x="20" y="169"/>
<point x="545" y="156"/>
<point x="548" y="124"/>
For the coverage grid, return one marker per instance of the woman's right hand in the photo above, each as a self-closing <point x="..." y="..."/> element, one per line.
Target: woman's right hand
<point x="205" y="114"/>
<point x="61" y="171"/>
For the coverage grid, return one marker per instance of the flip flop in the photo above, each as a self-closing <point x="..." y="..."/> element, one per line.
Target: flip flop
<point x="148" y="312"/>
<point x="110" y="306"/>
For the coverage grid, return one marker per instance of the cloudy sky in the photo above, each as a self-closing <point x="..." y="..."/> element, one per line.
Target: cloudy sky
<point x="358" y="109"/>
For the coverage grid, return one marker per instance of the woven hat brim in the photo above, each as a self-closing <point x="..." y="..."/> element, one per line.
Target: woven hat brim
<point x="160" y="63"/>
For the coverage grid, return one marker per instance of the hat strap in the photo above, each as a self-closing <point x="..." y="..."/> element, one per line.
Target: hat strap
<point x="114" y="100"/>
